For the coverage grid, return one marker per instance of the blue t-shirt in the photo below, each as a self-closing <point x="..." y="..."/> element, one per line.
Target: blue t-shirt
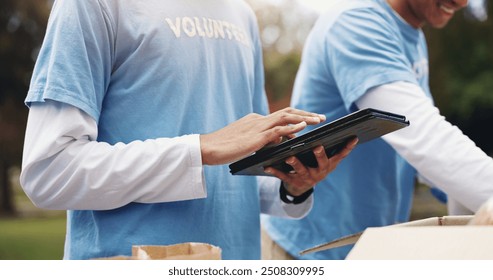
<point x="355" y="46"/>
<point x="150" y="69"/>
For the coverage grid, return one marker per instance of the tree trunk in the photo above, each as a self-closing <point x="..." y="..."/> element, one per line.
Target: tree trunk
<point x="7" y="208"/>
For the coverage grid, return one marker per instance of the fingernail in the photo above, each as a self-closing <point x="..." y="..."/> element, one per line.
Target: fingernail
<point x="355" y="142"/>
<point x="322" y="117"/>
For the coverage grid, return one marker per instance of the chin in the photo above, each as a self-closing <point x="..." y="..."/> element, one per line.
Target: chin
<point x="438" y="25"/>
<point x="438" y="22"/>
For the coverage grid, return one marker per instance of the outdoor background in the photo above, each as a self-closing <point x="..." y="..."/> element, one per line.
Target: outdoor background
<point x="461" y="75"/>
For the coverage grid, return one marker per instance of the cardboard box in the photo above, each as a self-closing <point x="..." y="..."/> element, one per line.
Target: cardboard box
<point x="181" y="251"/>
<point x="444" y="238"/>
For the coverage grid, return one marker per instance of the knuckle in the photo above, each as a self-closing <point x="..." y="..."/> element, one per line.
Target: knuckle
<point x="283" y="116"/>
<point x="277" y="130"/>
<point x="253" y="116"/>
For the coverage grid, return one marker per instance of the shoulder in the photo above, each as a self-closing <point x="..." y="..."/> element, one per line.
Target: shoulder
<point x="242" y="9"/>
<point x="356" y="16"/>
<point x="70" y="5"/>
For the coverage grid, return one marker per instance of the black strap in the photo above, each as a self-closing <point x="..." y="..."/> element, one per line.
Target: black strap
<point x="286" y="197"/>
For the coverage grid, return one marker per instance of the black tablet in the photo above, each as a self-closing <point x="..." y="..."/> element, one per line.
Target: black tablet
<point x="366" y="124"/>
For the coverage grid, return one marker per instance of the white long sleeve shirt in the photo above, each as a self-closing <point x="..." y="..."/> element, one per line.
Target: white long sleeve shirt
<point x="61" y="152"/>
<point x="439" y="151"/>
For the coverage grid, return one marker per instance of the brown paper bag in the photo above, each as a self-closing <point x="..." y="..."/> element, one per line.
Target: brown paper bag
<point x="182" y="251"/>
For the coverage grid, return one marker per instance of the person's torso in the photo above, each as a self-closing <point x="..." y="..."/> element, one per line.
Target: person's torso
<point x="185" y="68"/>
<point x="149" y="69"/>
<point x="373" y="186"/>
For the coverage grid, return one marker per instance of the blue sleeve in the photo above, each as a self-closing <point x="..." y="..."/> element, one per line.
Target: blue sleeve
<point x="365" y="50"/>
<point x="75" y="60"/>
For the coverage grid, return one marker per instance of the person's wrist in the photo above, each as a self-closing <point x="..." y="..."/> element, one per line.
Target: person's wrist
<point x="288" y="198"/>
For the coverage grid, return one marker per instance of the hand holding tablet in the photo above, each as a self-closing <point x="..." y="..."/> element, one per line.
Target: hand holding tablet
<point x="365" y="124"/>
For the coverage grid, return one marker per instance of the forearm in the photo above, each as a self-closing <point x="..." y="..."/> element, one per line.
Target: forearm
<point x="65" y="168"/>
<point x="437" y="149"/>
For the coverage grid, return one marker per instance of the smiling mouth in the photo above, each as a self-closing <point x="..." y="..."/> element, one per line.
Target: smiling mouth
<point x="446" y="9"/>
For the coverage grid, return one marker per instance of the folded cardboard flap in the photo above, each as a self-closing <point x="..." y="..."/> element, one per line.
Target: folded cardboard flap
<point x="425" y="243"/>
<point x="183" y="251"/>
<point x="353" y="238"/>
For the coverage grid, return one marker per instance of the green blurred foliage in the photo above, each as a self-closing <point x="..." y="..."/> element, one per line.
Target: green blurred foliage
<point x="22" y="27"/>
<point x="280" y="71"/>
<point x="461" y="74"/>
<point x="32" y="239"/>
<point x="284" y="26"/>
<point x="462" y="65"/>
